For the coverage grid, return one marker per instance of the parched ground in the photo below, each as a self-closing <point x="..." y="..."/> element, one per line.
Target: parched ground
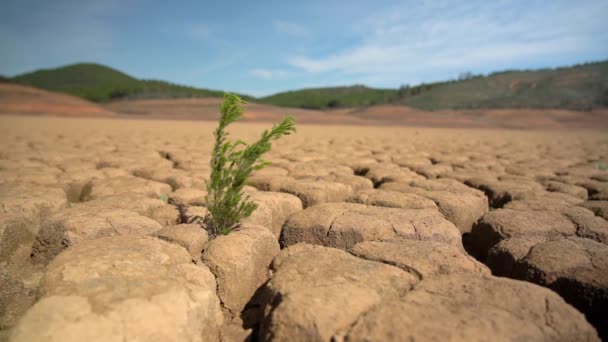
<point x="361" y="233"/>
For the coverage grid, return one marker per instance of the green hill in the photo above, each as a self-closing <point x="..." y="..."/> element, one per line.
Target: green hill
<point x="579" y="87"/>
<point x="328" y="98"/>
<point x="101" y="84"/>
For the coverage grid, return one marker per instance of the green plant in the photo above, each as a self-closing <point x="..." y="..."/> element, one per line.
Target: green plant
<point x="231" y="164"/>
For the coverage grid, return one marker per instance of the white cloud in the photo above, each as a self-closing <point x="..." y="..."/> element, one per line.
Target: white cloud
<point x="431" y="36"/>
<point x="290" y="28"/>
<point x="199" y="31"/>
<point x="268" y="74"/>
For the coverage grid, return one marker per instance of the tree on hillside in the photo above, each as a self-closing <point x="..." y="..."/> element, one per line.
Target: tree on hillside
<point x="604" y="97"/>
<point x="403" y="90"/>
<point x="467" y="75"/>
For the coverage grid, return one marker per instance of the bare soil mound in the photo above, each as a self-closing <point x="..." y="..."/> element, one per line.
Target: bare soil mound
<point x="17" y="99"/>
<point x="207" y="109"/>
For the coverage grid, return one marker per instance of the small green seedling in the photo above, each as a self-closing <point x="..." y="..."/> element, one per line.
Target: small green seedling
<point x="231" y="165"/>
<point x="164" y="198"/>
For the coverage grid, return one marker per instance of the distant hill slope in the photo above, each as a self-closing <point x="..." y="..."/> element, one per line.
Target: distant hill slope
<point x="99" y="83"/>
<point x="18" y="99"/>
<point x="579" y="87"/>
<point x="329" y="98"/>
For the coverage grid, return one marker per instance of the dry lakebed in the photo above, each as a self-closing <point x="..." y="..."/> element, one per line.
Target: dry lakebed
<point x="361" y="234"/>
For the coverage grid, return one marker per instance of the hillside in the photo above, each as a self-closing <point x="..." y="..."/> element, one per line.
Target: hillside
<point x="18" y="99"/>
<point x="329" y="98"/>
<point x="99" y="83"/>
<point x="581" y="87"/>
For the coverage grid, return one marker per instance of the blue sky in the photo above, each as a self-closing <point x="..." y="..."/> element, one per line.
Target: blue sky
<point x="263" y="47"/>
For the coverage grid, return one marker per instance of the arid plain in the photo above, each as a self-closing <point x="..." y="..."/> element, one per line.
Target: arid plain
<point x="368" y="233"/>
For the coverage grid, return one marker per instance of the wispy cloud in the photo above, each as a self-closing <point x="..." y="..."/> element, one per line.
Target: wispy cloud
<point x="269" y="74"/>
<point x="199" y="31"/>
<point x="290" y="28"/>
<point x="415" y="39"/>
